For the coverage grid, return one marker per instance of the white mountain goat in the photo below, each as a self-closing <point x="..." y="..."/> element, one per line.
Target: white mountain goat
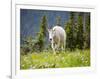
<point x="57" y="37"/>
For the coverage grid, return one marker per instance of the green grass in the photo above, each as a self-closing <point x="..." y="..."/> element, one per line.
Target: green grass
<point x="47" y="59"/>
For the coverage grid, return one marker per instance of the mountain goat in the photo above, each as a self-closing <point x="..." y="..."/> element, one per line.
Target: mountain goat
<point x="57" y="37"/>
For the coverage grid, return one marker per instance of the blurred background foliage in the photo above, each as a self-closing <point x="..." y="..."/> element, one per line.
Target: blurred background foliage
<point x="77" y="29"/>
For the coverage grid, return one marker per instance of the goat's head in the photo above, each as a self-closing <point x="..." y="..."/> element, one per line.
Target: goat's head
<point x="51" y="34"/>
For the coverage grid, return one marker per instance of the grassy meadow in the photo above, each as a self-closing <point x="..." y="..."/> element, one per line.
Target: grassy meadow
<point x="46" y="59"/>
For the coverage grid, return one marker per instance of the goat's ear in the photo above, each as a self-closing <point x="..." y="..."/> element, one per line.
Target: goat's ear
<point x="48" y="28"/>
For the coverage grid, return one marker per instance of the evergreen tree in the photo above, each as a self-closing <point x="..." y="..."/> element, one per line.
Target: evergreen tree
<point x="42" y="34"/>
<point x="69" y="32"/>
<point x="78" y="31"/>
<point x="58" y="21"/>
<point x="87" y="32"/>
<point x="80" y="38"/>
<point x="43" y="26"/>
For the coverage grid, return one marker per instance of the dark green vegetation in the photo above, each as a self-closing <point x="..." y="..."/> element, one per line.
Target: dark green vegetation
<point x="78" y="31"/>
<point x="37" y="53"/>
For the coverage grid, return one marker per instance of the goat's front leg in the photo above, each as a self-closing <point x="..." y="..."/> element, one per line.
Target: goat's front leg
<point x="53" y="47"/>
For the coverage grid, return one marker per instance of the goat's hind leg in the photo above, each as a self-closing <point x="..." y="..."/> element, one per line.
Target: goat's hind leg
<point x="64" y="45"/>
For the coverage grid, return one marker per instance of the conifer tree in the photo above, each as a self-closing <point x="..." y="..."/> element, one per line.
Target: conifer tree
<point x="42" y="34"/>
<point x="58" y="21"/>
<point x="80" y="38"/>
<point x="87" y="34"/>
<point x="69" y="32"/>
